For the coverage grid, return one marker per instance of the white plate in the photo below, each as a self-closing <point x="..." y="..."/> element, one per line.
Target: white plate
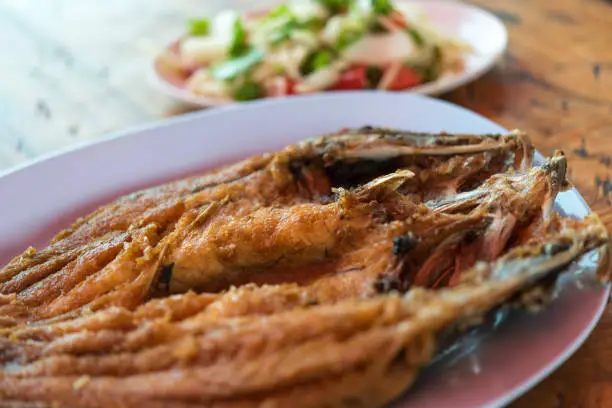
<point x="479" y="28"/>
<point x="40" y="198"/>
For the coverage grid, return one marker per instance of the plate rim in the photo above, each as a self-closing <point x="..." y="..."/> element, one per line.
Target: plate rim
<point x="529" y="381"/>
<point x="538" y="377"/>
<point x="454" y="80"/>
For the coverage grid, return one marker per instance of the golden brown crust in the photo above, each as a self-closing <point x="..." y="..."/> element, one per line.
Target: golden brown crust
<point x="267" y="284"/>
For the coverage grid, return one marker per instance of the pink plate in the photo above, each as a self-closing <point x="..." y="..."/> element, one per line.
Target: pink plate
<point x="42" y="197"/>
<point x="481" y="29"/>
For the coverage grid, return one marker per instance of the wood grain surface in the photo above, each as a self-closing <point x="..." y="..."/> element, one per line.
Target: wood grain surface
<point x="74" y="70"/>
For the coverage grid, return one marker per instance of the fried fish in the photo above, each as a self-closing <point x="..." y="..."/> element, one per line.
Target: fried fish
<point x="323" y="275"/>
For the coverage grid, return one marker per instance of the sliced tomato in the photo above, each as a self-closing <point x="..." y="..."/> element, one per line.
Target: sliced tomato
<point x="279" y="86"/>
<point x="405" y="78"/>
<point x="352" y="78"/>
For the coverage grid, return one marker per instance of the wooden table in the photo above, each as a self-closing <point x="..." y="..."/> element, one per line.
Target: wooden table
<point x="73" y="70"/>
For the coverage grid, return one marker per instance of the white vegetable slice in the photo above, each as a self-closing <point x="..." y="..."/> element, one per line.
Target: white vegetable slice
<point x="291" y="61"/>
<point x="223" y="25"/>
<point x="307" y="9"/>
<point x="206" y="49"/>
<point x="306" y="38"/>
<point x="339" y="24"/>
<point x="322" y="78"/>
<point x="263" y="71"/>
<point x="381" y="49"/>
<point x="202" y="50"/>
<point x="289" y="58"/>
<point x="201" y="82"/>
<point x="362" y="7"/>
<point x="332" y="29"/>
<point x="389" y="76"/>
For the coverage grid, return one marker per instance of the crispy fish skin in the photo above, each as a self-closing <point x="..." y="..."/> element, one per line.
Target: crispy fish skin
<point x="299" y="174"/>
<point x="273" y="241"/>
<point x="257" y="361"/>
<point x="352" y="253"/>
<point x="164" y="204"/>
<point x="274" y="236"/>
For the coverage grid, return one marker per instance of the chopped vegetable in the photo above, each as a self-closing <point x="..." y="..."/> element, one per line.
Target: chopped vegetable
<point x="199" y="26"/>
<point x="417" y="38"/>
<point x="321" y="79"/>
<point x="282" y="10"/>
<point x="342" y="31"/>
<point x="279" y="86"/>
<point x="201" y="82"/>
<point x="196" y="51"/>
<point x="373" y="76"/>
<point x="282" y="33"/>
<point x="353" y="78"/>
<point x="304" y="46"/>
<point x="236" y="67"/>
<point x="437" y="54"/>
<point x="382" y="7"/>
<point x="307" y="10"/>
<point x="398" y="19"/>
<point x="222" y="26"/>
<point x="306" y="38"/>
<point x="348" y="37"/>
<point x="312" y="24"/>
<point x="376" y="28"/>
<point x="432" y="71"/>
<point x="389" y="76"/>
<point x="248" y="91"/>
<point x="316" y="61"/>
<point x="238" y="45"/>
<point x="282" y="24"/>
<point x="382" y="50"/>
<point x="322" y="59"/>
<point x="279" y="68"/>
<point x="278" y="25"/>
<point x="361" y="8"/>
<point x="335" y="6"/>
<point x="404" y="78"/>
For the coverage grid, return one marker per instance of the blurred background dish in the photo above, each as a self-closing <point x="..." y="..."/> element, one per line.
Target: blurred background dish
<point x="425" y="47"/>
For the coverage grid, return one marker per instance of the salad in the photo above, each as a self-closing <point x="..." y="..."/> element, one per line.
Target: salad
<point x="306" y="46"/>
